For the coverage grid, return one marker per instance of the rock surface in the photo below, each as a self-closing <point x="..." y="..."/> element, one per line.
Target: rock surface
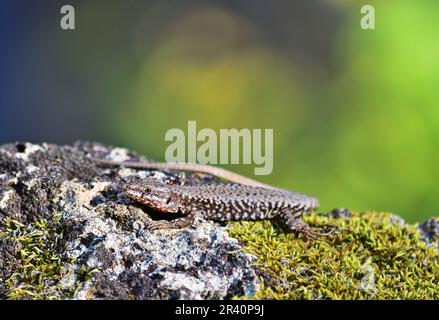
<point x="67" y="231"/>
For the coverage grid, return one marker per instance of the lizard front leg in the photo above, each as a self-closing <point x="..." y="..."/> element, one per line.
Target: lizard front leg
<point x="178" y="223"/>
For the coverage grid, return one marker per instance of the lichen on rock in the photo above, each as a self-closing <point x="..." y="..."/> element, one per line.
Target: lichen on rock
<point x="68" y="232"/>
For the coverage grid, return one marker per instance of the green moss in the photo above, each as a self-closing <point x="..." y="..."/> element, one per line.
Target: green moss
<point x="41" y="262"/>
<point x="370" y="257"/>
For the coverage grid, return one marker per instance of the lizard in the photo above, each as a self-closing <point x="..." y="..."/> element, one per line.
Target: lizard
<point x="240" y="199"/>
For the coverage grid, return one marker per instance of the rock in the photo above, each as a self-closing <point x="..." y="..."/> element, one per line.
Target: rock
<point x="68" y="232"/>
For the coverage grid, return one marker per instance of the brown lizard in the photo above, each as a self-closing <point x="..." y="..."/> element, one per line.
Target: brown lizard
<point x="244" y="199"/>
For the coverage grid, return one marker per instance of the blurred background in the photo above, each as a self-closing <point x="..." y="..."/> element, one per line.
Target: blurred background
<point x="355" y="113"/>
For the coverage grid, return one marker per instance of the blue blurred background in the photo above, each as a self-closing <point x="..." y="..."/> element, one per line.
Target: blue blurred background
<point x="355" y="113"/>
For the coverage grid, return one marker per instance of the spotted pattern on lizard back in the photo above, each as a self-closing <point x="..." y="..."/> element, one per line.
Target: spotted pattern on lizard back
<point x="223" y="202"/>
<point x="245" y="199"/>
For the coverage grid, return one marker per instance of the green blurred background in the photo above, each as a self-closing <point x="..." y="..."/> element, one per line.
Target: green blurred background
<point x="355" y="112"/>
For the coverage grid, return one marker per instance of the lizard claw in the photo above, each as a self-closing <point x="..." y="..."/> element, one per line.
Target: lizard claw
<point x="314" y="233"/>
<point x="295" y="224"/>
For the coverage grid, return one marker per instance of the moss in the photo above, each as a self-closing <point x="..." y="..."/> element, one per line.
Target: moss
<point x="41" y="260"/>
<point x="371" y="256"/>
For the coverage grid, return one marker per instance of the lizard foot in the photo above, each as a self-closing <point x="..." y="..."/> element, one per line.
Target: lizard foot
<point x="292" y="222"/>
<point x="312" y="233"/>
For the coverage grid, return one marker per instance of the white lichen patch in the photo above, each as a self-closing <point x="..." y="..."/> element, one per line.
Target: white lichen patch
<point x="190" y="288"/>
<point x="68" y="281"/>
<point x="127" y="172"/>
<point x="158" y="176"/>
<point x="7" y="195"/>
<point x="29" y="149"/>
<point x="107" y="250"/>
<point x="23" y="176"/>
<point x="31" y="183"/>
<point x="31" y="168"/>
<point x="165" y="254"/>
<point x="142" y="174"/>
<point x="82" y="195"/>
<point x="119" y="154"/>
<point x="367" y="282"/>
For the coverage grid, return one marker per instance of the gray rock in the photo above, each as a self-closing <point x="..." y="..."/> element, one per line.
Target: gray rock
<point x="62" y="213"/>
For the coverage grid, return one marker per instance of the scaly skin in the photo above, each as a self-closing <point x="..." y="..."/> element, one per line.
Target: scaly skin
<point x="222" y="202"/>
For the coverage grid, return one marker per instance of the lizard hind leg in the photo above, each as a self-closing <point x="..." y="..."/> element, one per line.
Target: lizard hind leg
<point x="291" y="221"/>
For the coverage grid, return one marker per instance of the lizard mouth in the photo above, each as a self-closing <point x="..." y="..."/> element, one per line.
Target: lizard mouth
<point x="135" y="195"/>
<point x="157" y="202"/>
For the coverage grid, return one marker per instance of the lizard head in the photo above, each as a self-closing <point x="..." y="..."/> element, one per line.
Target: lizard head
<point x="157" y="196"/>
